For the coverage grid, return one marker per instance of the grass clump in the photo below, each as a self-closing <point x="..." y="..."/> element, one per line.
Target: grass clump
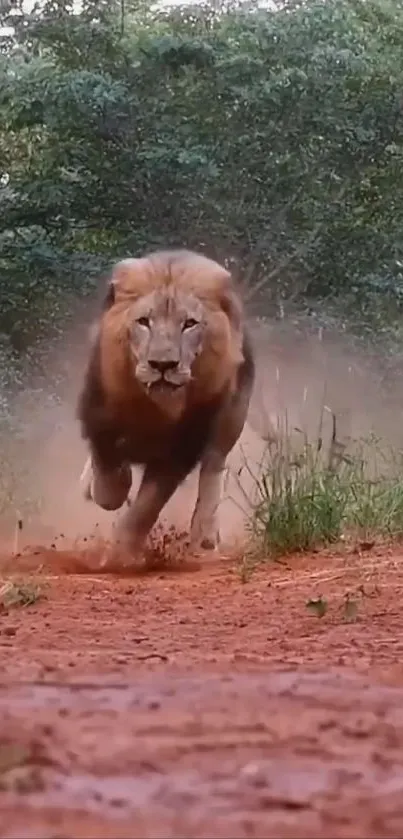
<point x="21" y="594"/>
<point x="310" y="496"/>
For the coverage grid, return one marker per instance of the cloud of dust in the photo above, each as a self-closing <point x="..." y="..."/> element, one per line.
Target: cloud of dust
<point x="297" y="374"/>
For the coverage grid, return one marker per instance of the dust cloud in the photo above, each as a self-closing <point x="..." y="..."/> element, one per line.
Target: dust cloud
<point x="301" y="375"/>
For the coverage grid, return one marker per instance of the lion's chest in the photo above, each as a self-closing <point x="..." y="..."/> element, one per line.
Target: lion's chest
<point x="144" y="432"/>
<point x="147" y="436"/>
<point x="143" y="445"/>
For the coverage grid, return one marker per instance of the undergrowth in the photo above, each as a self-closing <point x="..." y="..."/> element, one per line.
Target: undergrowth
<point x="310" y="495"/>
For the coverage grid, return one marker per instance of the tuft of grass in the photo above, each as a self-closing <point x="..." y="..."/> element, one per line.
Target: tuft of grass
<point x="350" y="608"/>
<point x="14" y="594"/>
<point x="317" y="605"/>
<point x="12" y="755"/>
<point x="315" y="495"/>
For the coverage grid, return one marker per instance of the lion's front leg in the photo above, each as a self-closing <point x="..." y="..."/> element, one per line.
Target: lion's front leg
<point x="86" y="479"/>
<point x="106" y="486"/>
<point x="204" y="531"/>
<point x="155" y="490"/>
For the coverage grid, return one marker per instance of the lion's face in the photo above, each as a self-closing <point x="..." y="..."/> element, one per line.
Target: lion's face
<point x="166" y="333"/>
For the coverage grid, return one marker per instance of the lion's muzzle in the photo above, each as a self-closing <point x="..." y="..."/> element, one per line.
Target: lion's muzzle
<point x="163" y="367"/>
<point x="160" y="375"/>
<point x="169" y="373"/>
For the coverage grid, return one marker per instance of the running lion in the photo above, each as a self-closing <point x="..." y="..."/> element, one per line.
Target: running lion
<point x="167" y="387"/>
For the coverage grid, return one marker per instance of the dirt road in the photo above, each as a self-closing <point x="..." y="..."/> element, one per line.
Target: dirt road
<point x="205" y="703"/>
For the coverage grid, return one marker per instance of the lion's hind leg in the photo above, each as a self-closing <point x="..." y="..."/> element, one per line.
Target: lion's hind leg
<point x="204" y="530"/>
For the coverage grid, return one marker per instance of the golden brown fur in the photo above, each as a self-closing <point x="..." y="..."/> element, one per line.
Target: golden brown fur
<point x="167" y="386"/>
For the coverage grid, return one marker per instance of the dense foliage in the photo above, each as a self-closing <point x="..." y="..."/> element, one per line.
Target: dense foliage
<point x="269" y="137"/>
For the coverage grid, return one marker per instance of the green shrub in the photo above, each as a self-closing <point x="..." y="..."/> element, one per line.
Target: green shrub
<point x="314" y="497"/>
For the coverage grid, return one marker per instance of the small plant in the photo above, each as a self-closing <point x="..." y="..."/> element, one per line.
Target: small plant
<point x="317" y="605"/>
<point x="313" y="496"/>
<point x="350" y="608"/>
<point x="12" y="755"/>
<point x="247" y="567"/>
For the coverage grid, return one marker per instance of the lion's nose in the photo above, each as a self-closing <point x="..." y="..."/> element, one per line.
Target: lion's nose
<point x="163" y="366"/>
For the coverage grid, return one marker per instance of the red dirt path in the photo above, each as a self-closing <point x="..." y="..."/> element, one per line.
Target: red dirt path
<point x="195" y="704"/>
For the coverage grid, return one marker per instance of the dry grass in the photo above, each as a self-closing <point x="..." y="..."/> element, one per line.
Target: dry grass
<point x="19" y="594"/>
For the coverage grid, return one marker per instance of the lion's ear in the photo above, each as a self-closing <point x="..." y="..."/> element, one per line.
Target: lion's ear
<point x="130" y="278"/>
<point x="109" y="298"/>
<point x="231" y="305"/>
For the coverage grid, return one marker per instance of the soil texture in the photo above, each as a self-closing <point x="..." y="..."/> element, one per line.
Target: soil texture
<point x="202" y="700"/>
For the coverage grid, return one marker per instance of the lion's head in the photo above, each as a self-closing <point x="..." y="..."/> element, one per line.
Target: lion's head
<point x="177" y="319"/>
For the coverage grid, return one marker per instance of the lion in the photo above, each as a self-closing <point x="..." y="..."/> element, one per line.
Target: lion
<point x="167" y="387"/>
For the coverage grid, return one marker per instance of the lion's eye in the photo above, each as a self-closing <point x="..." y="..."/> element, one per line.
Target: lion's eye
<point x="144" y="322"/>
<point x="189" y="323"/>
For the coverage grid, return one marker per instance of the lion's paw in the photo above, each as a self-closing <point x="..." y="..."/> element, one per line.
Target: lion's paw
<point x="205" y="536"/>
<point x="108" y="490"/>
<point x="209" y="544"/>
